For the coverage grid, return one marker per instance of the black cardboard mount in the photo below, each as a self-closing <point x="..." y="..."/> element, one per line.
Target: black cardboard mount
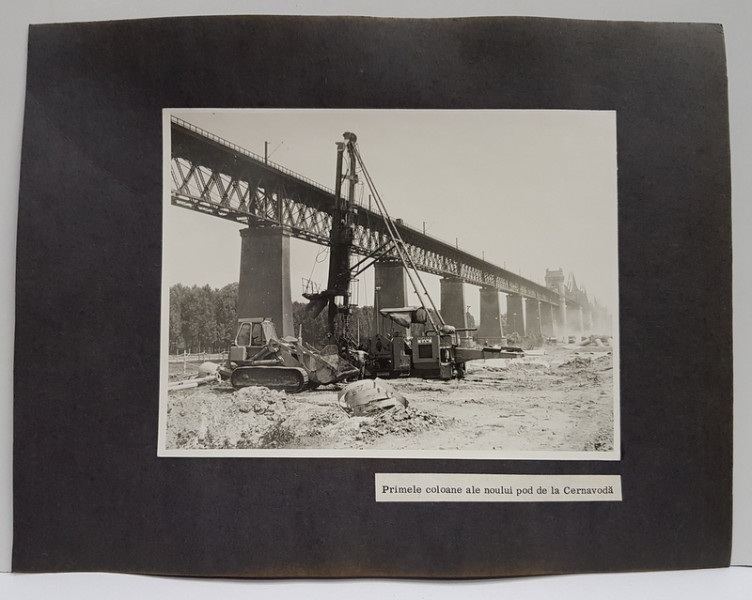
<point x="90" y="493"/>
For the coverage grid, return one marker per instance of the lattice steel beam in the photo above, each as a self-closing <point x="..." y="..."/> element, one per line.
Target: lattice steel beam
<point x="215" y="177"/>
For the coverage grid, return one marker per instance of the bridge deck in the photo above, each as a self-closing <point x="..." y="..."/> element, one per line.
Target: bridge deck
<point x="216" y="177"/>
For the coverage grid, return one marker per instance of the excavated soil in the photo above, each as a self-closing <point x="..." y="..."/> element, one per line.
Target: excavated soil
<point x="561" y="399"/>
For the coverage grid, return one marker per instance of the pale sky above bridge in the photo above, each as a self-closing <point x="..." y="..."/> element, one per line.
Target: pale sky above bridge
<point x="529" y="190"/>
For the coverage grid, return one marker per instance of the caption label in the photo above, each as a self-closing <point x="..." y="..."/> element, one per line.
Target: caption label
<point x="463" y="487"/>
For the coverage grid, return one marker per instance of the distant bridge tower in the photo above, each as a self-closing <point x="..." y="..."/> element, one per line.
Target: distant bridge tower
<point x="555" y="281"/>
<point x="579" y="305"/>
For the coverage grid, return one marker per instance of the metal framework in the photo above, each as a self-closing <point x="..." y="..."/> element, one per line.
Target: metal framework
<point x="215" y="177"/>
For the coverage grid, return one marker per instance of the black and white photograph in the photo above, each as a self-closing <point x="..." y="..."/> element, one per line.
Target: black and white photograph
<point x="351" y="296"/>
<point x="390" y="283"/>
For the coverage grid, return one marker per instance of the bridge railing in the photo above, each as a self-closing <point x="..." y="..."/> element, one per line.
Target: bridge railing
<point x="253" y="155"/>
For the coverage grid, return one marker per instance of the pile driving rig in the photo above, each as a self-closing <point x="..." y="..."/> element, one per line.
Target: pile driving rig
<point x="341" y="273"/>
<point x="258" y="357"/>
<point x="437" y="353"/>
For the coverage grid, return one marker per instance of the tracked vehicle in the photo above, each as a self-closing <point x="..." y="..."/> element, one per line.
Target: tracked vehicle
<point x="258" y="357"/>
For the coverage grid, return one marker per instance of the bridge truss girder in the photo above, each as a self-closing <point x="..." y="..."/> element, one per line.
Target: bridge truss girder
<point x="214" y="177"/>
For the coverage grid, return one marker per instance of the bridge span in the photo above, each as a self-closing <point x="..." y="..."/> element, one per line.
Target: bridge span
<point x="213" y="176"/>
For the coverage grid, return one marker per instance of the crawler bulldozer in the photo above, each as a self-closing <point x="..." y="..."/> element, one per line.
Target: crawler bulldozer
<point x="258" y="357"/>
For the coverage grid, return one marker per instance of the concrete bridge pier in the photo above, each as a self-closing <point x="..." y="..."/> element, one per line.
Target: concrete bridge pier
<point x="490" y="328"/>
<point x="532" y="317"/>
<point x="390" y="292"/>
<point x="264" y="283"/>
<point x="574" y="319"/>
<point x="587" y="321"/>
<point x="453" y="307"/>
<point x="515" y="315"/>
<point x="560" y="319"/>
<point x="572" y="315"/>
<point x="547" y="319"/>
<point x="555" y="282"/>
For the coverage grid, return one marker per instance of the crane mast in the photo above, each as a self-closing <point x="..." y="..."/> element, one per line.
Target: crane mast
<point x="341" y="272"/>
<point x="336" y="297"/>
<point x="341" y="240"/>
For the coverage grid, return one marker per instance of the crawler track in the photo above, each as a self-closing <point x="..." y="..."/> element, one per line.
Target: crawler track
<point x="286" y="379"/>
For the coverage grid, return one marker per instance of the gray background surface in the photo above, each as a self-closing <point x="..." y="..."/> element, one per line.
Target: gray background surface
<point x="736" y="17"/>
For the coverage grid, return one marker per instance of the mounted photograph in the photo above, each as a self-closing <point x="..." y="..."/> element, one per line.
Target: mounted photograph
<point x="390" y="283"/>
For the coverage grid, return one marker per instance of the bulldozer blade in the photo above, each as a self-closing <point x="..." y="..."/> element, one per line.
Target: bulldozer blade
<point x="324" y="369"/>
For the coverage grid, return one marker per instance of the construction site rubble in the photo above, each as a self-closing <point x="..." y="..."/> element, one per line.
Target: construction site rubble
<point x="399" y="422"/>
<point x="562" y="399"/>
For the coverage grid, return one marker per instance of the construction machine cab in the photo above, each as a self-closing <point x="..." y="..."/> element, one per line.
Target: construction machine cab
<point x="253" y="335"/>
<point x="433" y="356"/>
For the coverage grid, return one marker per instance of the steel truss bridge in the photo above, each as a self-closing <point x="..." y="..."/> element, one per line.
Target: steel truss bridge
<point x="216" y="177"/>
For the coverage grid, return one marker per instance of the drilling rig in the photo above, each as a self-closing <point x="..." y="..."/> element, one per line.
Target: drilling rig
<point x="336" y="297"/>
<point x="437" y="353"/>
<point x="259" y="357"/>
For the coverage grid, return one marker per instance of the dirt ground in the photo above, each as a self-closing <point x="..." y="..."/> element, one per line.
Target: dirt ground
<point x="559" y="398"/>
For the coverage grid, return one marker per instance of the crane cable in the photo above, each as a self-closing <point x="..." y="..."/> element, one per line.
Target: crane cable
<point x="400" y="246"/>
<point x="316" y="261"/>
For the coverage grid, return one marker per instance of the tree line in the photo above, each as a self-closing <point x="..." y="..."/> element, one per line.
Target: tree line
<point x="204" y="319"/>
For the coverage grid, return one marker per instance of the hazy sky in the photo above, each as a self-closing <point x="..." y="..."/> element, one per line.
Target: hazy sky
<point x="529" y="189"/>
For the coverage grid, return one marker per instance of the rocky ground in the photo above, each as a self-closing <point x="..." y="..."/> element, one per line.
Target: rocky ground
<point x="560" y="398"/>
